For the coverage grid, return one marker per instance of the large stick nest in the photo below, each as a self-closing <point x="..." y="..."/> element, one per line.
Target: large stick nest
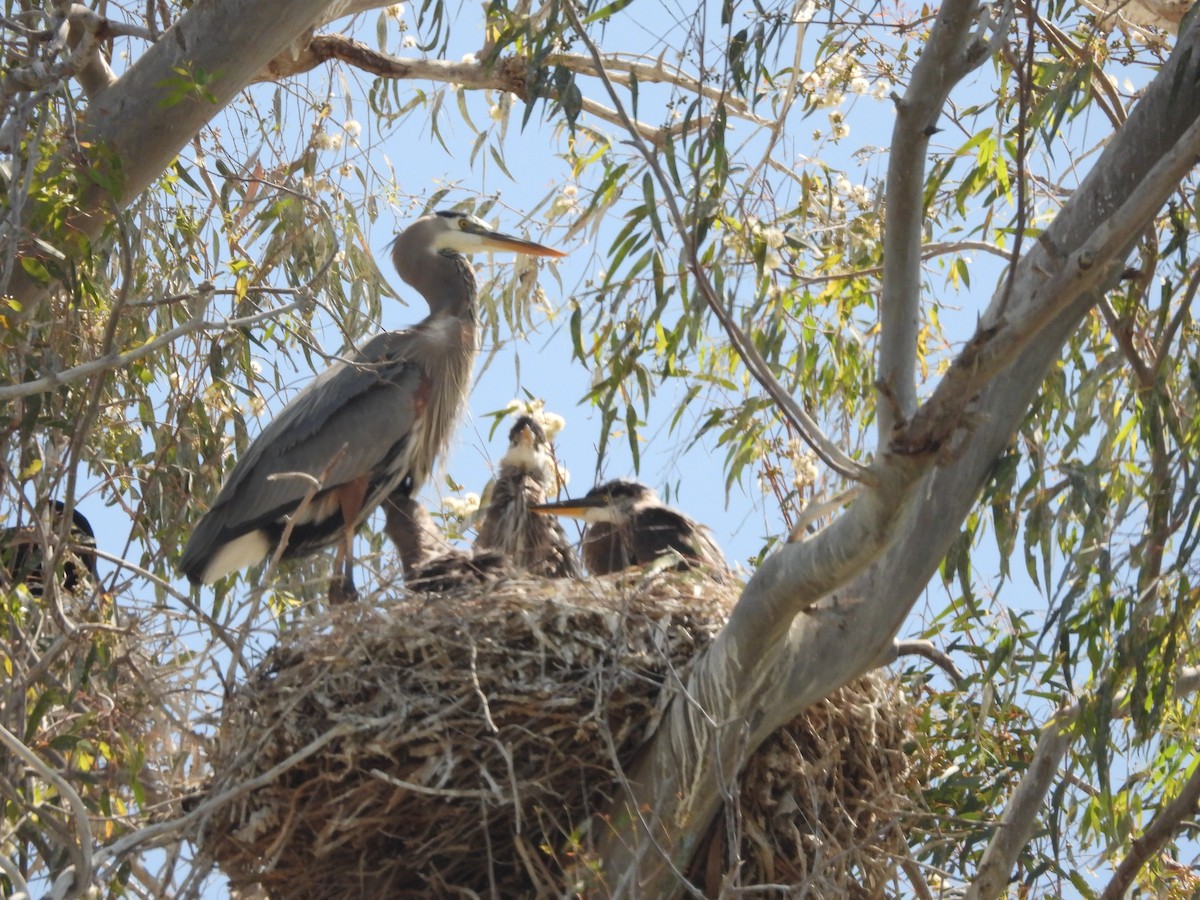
<point x="460" y="744"/>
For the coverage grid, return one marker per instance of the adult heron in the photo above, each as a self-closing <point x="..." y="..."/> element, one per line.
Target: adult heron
<point x="383" y="414"/>
<point x="628" y="525"/>
<point x="534" y="543"/>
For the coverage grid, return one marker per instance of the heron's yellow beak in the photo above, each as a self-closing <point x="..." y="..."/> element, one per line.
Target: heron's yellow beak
<point x="494" y="240"/>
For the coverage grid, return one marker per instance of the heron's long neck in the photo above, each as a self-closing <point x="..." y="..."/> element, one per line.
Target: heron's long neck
<point x="448" y="344"/>
<point x="447" y="282"/>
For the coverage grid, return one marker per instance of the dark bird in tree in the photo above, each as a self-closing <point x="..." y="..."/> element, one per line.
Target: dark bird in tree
<point x="22" y="552"/>
<point x="366" y="424"/>
<point x="431" y="564"/>
<point x="535" y="543"/>
<point x="628" y="525"/>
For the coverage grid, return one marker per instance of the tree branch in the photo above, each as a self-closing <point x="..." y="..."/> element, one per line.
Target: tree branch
<point x="828" y="451"/>
<point x="1019" y="817"/>
<point x="508" y="73"/>
<point x="769" y="662"/>
<point x="79" y="874"/>
<point x="929" y="652"/>
<point x="120" y="144"/>
<point x="1161" y="829"/>
<point x="948" y="56"/>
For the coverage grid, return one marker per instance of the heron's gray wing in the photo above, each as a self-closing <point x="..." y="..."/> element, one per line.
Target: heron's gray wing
<point x="342" y="426"/>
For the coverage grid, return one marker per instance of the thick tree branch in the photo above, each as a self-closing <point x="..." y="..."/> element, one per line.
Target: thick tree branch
<point x="1052" y="281"/>
<point x="770" y="661"/>
<point x="1019" y="817"/>
<point x="948" y="56"/>
<point x="231" y="42"/>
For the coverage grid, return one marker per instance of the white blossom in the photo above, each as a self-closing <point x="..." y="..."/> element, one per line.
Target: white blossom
<point x="772" y="237"/>
<point x="461" y="507"/>
<point x="804" y="11"/>
<point x="323" y="140"/>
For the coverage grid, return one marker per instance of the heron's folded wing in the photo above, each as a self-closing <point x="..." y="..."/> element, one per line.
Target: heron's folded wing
<point x="343" y="425"/>
<point x="660" y="530"/>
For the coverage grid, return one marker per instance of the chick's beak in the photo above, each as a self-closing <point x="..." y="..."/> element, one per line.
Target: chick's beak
<point x="575" y="509"/>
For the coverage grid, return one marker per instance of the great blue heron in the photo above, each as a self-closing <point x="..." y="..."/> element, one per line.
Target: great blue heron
<point x="628" y="525"/>
<point x="534" y="543"/>
<point x="22" y="552"/>
<point x="430" y="562"/>
<point x="367" y="423"/>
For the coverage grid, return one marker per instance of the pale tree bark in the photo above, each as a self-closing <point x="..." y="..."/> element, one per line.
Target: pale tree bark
<point x="133" y="122"/>
<point x="822" y="612"/>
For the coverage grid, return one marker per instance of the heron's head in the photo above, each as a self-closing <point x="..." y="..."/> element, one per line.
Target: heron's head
<point x="451" y="233"/>
<point x="613" y="502"/>
<point x="528" y="449"/>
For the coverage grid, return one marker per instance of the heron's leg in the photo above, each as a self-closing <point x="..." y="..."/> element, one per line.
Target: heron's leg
<point x="350" y="498"/>
<point x="341" y="583"/>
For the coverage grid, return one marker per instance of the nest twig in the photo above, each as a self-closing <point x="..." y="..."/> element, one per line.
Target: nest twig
<point x="477" y="742"/>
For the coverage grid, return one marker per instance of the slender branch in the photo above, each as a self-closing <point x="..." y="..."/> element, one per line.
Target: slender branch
<point x="81" y="850"/>
<point x="1019" y="817"/>
<point x="1163" y="827"/>
<point x="13" y="873"/>
<point x="116" y="360"/>
<point x="928" y="251"/>
<point x="114" y="852"/>
<point x="931" y="653"/>
<point x="1163" y="346"/>
<point x="828" y="451"/>
<point x="659" y="74"/>
<point x="508" y="74"/>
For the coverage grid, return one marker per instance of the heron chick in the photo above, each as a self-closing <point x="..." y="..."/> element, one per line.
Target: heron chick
<point x="383" y="414"/>
<point x="431" y="563"/>
<point x="628" y="525"/>
<point x="22" y="554"/>
<point x="535" y="543"/>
